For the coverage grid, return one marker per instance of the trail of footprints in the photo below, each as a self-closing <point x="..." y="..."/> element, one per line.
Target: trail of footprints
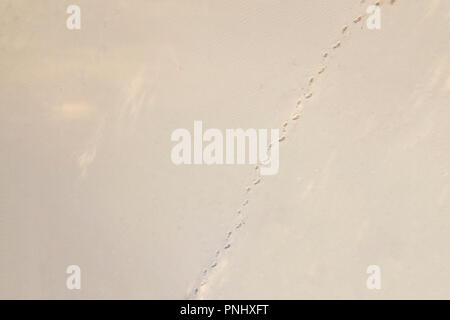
<point x="296" y="114"/>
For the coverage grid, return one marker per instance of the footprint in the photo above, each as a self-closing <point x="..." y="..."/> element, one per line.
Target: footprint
<point x="344" y="28"/>
<point x="248" y="189"/>
<point x="282" y="138"/>
<point x="213" y="265"/>
<point x="229" y="234"/>
<point x="311" y="81"/>
<point x="309" y="95"/>
<point x="337" y="45"/>
<point x="239" y="225"/>
<point x="358" y="19"/>
<point x="285" y="124"/>
<point x="299" y="102"/>
<point x="325" y="55"/>
<point x="227" y="246"/>
<point x="245" y="203"/>
<point x="257" y="181"/>
<point x="295" y="116"/>
<point x="321" y="70"/>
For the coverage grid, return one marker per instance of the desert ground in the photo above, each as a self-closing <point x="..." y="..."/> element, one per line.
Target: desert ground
<point x="87" y="179"/>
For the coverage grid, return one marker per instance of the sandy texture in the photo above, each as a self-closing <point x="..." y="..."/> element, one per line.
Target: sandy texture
<point x="86" y="176"/>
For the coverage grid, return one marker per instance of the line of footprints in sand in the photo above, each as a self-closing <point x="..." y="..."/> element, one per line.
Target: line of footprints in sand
<point x="306" y="95"/>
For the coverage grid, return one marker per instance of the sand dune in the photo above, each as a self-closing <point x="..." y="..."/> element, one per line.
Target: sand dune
<point x="85" y="126"/>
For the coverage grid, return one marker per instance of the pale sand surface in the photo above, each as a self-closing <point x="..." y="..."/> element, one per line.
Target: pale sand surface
<point x="85" y="124"/>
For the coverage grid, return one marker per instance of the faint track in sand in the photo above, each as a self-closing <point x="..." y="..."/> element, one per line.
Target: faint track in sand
<point x="306" y="94"/>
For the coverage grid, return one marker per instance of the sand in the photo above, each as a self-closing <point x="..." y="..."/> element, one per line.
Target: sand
<point x="85" y="124"/>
